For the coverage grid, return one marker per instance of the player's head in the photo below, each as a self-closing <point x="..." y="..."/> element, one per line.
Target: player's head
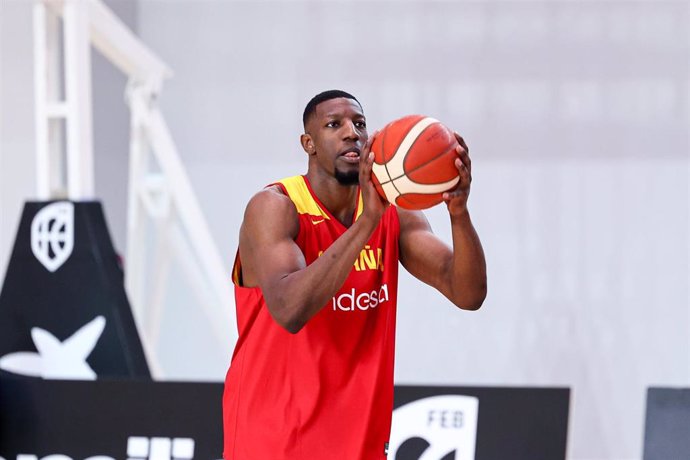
<point x="334" y="134"/>
<point x="324" y="96"/>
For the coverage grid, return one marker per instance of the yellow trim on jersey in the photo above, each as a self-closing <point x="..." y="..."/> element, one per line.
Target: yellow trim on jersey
<point x="236" y="270"/>
<point x="299" y="194"/>
<point x="360" y="206"/>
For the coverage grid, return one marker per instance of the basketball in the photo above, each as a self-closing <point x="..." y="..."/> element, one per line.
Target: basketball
<point x="414" y="162"/>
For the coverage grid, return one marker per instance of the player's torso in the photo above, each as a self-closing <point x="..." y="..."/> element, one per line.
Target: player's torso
<point x="371" y="286"/>
<point x="332" y="381"/>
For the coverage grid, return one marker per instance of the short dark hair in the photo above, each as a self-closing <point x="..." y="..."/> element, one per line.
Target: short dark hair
<point x="321" y="97"/>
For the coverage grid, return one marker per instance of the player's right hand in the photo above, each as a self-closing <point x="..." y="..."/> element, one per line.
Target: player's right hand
<point x="374" y="204"/>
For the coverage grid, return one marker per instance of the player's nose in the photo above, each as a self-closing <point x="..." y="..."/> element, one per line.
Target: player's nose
<point x="351" y="131"/>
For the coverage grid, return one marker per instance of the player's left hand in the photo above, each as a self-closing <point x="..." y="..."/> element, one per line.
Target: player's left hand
<point x="456" y="199"/>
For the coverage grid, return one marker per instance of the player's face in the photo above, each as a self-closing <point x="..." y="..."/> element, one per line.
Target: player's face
<point x="338" y="131"/>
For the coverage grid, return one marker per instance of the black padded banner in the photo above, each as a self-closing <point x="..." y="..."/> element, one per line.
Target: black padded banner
<point x="667" y="424"/>
<point x="480" y="423"/>
<point x="142" y="419"/>
<point x="63" y="307"/>
<point x="120" y="419"/>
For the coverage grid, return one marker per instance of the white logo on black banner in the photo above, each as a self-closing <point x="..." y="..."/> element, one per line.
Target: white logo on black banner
<point x="55" y="359"/>
<point x="138" y="448"/>
<point x="435" y="428"/>
<point x="52" y="234"/>
<point x="141" y="448"/>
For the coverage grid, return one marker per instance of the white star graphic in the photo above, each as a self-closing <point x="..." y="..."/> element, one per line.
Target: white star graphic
<point x="55" y="359"/>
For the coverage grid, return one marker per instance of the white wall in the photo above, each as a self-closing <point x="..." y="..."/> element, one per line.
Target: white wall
<point x="17" y="165"/>
<point x="577" y="119"/>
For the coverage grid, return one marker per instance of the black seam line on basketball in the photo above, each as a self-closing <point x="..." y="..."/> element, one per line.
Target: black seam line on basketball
<point x="396" y="189"/>
<point x="391" y="179"/>
<point x="421" y="165"/>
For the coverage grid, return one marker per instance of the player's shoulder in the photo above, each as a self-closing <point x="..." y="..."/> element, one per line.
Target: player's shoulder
<point x="270" y="199"/>
<point x="271" y="206"/>
<point x="273" y="191"/>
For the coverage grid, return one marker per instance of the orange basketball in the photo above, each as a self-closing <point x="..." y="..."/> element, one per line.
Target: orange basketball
<point x="414" y="162"/>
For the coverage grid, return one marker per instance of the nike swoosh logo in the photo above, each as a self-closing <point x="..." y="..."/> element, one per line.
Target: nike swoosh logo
<point x="316" y="222"/>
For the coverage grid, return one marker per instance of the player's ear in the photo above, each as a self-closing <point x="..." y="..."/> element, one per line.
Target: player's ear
<point x="307" y="144"/>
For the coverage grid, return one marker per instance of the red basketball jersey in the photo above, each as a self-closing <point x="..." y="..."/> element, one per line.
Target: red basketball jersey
<point x="327" y="391"/>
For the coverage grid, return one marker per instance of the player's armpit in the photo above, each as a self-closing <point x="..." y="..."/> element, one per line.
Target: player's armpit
<point x="422" y="253"/>
<point x="458" y="273"/>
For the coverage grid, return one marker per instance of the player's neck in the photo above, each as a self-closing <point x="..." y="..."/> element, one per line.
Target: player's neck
<point x="340" y="200"/>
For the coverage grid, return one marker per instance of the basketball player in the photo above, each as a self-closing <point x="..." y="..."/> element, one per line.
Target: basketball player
<point x="316" y="280"/>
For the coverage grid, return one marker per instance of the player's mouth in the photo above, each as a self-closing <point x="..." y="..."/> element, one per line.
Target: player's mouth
<point x="351" y="155"/>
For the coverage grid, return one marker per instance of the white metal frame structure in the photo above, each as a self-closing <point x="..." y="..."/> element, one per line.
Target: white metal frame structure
<point x="162" y="207"/>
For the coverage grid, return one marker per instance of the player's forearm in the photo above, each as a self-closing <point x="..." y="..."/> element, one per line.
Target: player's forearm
<point x="298" y="296"/>
<point x="467" y="274"/>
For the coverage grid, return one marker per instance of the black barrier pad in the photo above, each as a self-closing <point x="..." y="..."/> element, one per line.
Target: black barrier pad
<point x="83" y="419"/>
<point x="513" y="423"/>
<point x="89" y="283"/>
<point x="667" y="424"/>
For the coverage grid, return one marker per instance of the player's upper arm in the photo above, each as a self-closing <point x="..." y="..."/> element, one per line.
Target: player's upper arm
<point x="422" y="253"/>
<point x="267" y="248"/>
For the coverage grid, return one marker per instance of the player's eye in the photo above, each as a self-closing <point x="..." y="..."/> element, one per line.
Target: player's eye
<point x="332" y="124"/>
<point x="361" y="124"/>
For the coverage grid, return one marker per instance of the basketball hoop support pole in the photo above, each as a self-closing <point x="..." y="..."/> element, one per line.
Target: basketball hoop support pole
<point x="65" y="165"/>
